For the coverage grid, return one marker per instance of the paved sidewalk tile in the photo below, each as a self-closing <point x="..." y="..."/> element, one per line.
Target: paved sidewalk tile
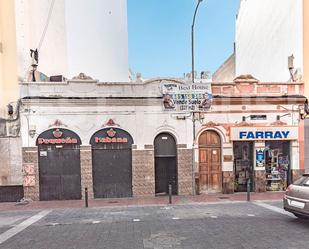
<point x="144" y="201"/>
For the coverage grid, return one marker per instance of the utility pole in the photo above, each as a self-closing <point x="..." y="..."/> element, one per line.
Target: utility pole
<point x="192" y="38"/>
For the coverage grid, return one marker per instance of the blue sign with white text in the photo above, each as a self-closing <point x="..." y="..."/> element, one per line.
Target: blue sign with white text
<point x="264" y="135"/>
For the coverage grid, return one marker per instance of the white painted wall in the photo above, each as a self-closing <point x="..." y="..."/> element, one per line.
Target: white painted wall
<point x="31" y="16"/>
<point x="88" y="36"/>
<point x="267" y="32"/>
<point x="98" y="39"/>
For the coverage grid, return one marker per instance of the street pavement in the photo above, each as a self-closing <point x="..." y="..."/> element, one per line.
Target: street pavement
<point x="228" y="225"/>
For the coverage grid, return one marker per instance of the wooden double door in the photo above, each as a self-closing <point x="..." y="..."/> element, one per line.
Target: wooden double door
<point x="210" y="168"/>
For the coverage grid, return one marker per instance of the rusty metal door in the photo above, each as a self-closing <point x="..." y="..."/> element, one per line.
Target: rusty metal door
<point x="112" y="163"/>
<point x="165" y="164"/>
<point x="59" y="172"/>
<point x="210" y="173"/>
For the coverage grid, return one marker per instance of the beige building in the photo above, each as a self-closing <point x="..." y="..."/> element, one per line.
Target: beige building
<point x="9" y="90"/>
<point x="10" y="142"/>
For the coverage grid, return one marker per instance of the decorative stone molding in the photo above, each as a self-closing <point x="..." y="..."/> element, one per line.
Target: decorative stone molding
<point x="110" y="122"/>
<point x="210" y="124"/>
<point x="82" y="76"/>
<point x="247" y="78"/>
<point x="57" y="123"/>
<point x="244" y="123"/>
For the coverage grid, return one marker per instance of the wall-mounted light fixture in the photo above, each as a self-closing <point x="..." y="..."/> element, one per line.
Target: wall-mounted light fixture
<point x="280" y="116"/>
<point x="10" y="109"/>
<point x="32" y="131"/>
<point x="244" y="118"/>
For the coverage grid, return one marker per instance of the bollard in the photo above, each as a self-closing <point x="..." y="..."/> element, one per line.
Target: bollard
<point x="248" y="189"/>
<point x="86" y="197"/>
<point x="170" y="193"/>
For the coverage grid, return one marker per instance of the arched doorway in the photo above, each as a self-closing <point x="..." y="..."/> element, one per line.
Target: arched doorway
<point x="59" y="165"/>
<point x="112" y="163"/>
<point x="165" y="152"/>
<point x="210" y="168"/>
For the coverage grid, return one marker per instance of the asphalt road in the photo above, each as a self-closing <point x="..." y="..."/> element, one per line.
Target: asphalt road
<point x="224" y="225"/>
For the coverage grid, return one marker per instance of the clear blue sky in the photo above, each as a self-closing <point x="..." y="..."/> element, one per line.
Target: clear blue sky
<point x="160" y="35"/>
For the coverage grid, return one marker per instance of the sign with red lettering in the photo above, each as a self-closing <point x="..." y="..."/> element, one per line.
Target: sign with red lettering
<point x="111" y="137"/>
<point x="58" y="136"/>
<point x="111" y="133"/>
<point x="110" y="140"/>
<point x="67" y="140"/>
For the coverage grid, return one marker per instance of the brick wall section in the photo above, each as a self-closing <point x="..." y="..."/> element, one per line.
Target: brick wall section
<point x="257" y="88"/>
<point x="259" y="181"/>
<point x="184" y="157"/>
<point x="30" y="156"/>
<point x="86" y="171"/>
<point x="228" y="182"/>
<point x="245" y="88"/>
<point x="143" y="173"/>
<point x="291" y="89"/>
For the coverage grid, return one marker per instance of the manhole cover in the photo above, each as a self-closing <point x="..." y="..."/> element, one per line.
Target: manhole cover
<point x="163" y="240"/>
<point x="223" y="197"/>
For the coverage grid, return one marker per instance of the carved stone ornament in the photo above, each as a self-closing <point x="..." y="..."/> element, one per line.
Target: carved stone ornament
<point x="57" y="123"/>
<point x="244" y="123"/>
<point x="111" y="132"/>
<point x="210" y="124"/>
<point x="110" y="122"/>
<point x="57" y="133"/>
<point x="245" y="78"/>
<point x="82" y="76"/>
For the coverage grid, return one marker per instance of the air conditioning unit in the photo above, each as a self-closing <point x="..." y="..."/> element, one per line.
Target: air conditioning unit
<point x="56" y="78"/>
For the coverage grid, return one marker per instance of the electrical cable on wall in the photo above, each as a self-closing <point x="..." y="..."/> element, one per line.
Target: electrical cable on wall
<point x="34" y="54"/>
<point x="50" y="11"/>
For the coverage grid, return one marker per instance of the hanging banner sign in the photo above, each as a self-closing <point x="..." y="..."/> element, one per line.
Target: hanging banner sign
<point x="186" y="97"/>
<point x="264" y="133"/>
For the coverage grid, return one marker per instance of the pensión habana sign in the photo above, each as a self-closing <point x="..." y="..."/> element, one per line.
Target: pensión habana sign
<point x="186" y="97"/>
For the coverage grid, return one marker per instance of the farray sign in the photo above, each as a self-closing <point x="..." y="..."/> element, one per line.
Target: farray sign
<point x="264" y="133"/>
<point x="186" y="97"/>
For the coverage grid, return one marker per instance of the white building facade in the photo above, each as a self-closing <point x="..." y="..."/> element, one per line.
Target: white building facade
<point x="74" y="37"/>
<point x="267" y="33"/>
<point x="117" y="140"/>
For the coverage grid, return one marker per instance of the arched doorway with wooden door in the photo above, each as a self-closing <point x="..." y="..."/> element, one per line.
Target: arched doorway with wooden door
<point x="165" y="152"/>
<point x="210" y="163"/>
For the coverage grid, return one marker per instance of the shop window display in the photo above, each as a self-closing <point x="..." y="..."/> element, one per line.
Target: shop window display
<point x="277" y="165"/>
<point x="243" y="165"/>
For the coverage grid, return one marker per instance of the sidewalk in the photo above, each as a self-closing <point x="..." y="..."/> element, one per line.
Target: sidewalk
<point x="143" y="201"/>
